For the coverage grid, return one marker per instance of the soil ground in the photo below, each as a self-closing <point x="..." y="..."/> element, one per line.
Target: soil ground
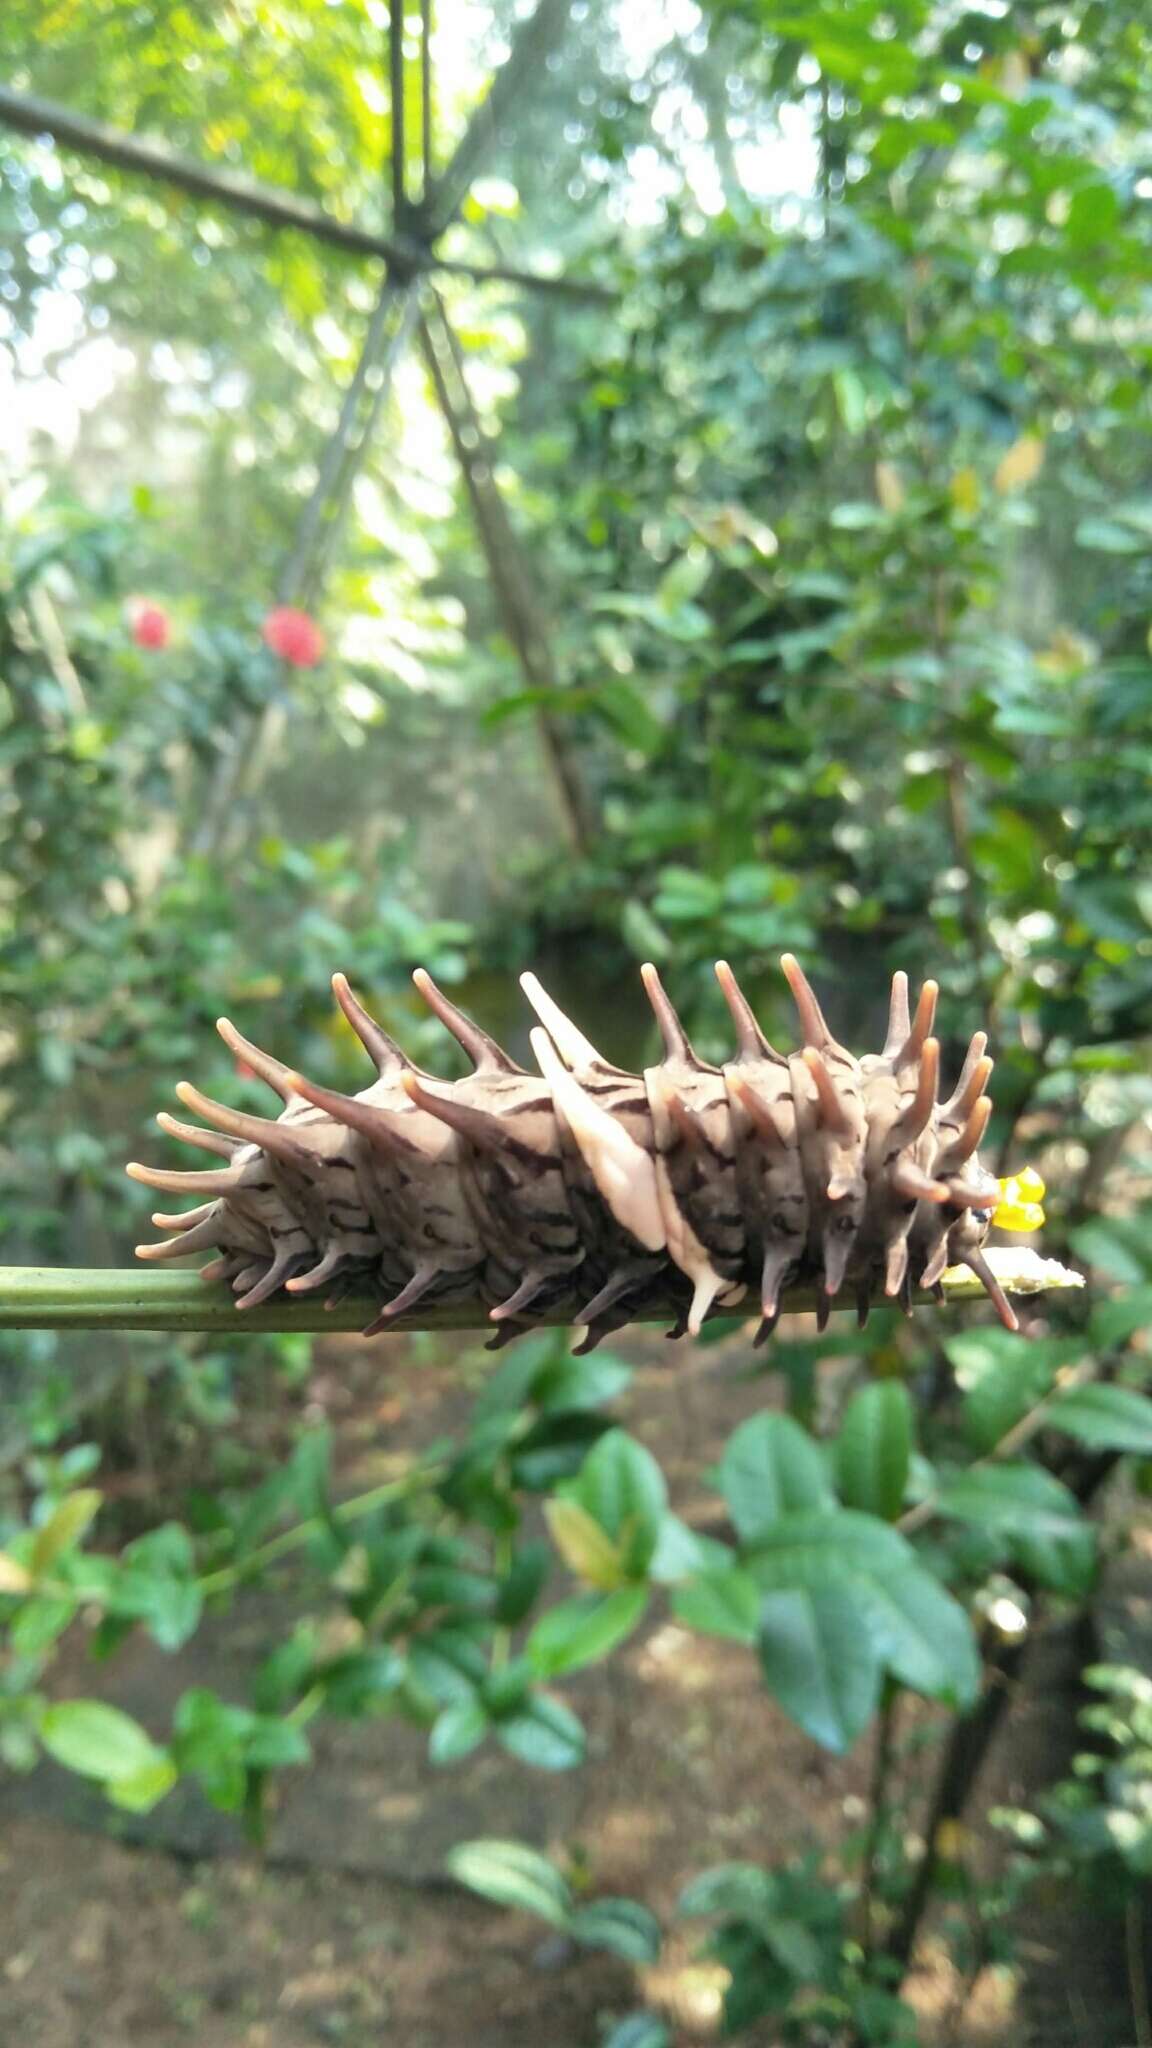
<point x="347" y="1932"/>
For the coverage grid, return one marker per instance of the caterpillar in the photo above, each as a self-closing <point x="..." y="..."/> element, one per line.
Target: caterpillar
<point x="588" y="1194"/>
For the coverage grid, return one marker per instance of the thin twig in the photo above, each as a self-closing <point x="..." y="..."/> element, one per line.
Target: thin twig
<point x="878" y="1813"/>
<point x="352" y="1510"/>
<point x="1020" y="1433"/>
<point x="1137" y="1970"/>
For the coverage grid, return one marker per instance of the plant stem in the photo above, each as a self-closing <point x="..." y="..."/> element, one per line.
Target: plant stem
<point x="1137" y="1970"/>
<point x="344" y="1511"/>
<point x="1020" y="1433"/>
<point x="878" y="1813"/>
<point x="966" y="1749"/>
<point x="79" y="1298"/>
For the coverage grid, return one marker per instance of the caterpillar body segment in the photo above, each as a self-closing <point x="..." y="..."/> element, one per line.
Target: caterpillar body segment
<point x="584" y="1192"/>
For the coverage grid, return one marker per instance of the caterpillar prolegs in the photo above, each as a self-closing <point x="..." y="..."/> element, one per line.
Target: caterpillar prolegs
<point x="588" y="1194"/>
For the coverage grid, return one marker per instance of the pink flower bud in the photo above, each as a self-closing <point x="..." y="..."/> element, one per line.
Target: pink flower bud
<point x="294" y="636"/>
<point x="151" y="626"/>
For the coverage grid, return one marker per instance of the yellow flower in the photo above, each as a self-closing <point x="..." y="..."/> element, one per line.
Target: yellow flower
<point x="1019" y="1207"/>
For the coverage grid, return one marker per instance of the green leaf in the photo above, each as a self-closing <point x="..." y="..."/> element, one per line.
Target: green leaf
<point x="621" y="1926"/>
<point x="513" y="1875"/>
<point x="797" y="1549"/>
<point x="1115" y="1245"/>
<point x="1017" y="1499"/>
<point x="144" y="1789"/>
<point x="63" y="1529"/>
<point x="272" y="1743"/>
<point x="98" y="1741"/>
<point x="1108" y="1418"/>
<point x="795" y="1948"/>
<point x="573" y="1384"/>
<point x="725" y="1603"/>
<point x="449" y="1664"/>
<point x="682" y="1554"/>
<point x="522" y="1583"/>
<point x="583" y="1545"/>
<point x="622" y="1487"/>
<point x="545" y="1734"/>
<point x="924" y="1638"/>
<point x="923" y="1635"/>
<point x="1063" y="1564"/>
<point x="1113" y="1322"/>
<point x="583" y="1630"/>
<point x="1002" y="1379"/>
<point x="457" y="1731"/>
<point x="638" y="2030"/>
<point x="771" y="1467"/>
<point x="874" y="1448"/>
<point x="821" y="1664"/>
<point x="735" y="1891"/>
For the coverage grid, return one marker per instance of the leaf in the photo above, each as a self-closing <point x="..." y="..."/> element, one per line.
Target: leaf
<point x="1020" y="466"/>
<point x="583" y="1630"/>
<point x="144" y="1789"/>
<point x="874" y="1448"/>
<point x="97" y="1741"/>
<point x="586" y="1550"/>
<point x="638" y="2030"/>
<point x="1108" y="537"/>
<point x="449" y="1664"/>
<point x="522" y="1583"/>
<point x="964" y="491"/>
<point x="1117" y="1246"/>
<point x="1113" y="1322"/>
<point x="621" y="1926"/>
<point x="795" y="1948"/>
<point x="737" y="1891"/>
<point x="63" y="1529"/>
<point x="1106" y="1417"/>
<point x="1001" y="1378"/>
<point x="513" y="1875"/>
<point x="14" y="1577"/>
<point x="622" y="1487"/>
<point x="890" y="488"/>
<point x="545" y="1734"/>
<point x="572" y="1384"/>
<point x="724" y="1603"/>
<point x="1064" y="1564"/>
<point x="799" y="1545"/>
<point x="457" y="1731"/>
<point x="923" y="1635"/>
<point x="771" y="1467"/>
<point x="682" y="1554"/>
<point x="817" y="1654"/>
<point x="1017" y="1499"/>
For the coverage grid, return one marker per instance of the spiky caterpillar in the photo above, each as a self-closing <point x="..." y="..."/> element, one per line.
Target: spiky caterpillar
<point x="587" y="1193"/>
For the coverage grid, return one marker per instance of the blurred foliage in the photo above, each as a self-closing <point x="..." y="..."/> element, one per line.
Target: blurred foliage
<point x="838" y="516"/>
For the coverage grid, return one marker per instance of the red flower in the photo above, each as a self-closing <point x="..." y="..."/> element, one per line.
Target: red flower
<point x="294" y="636"/>
<point x="151" y="626"/>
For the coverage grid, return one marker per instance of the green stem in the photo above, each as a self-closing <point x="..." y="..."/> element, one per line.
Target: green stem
<point x="1013" y="1439"/>
<point x="79" y="1298"/>
<point x="344" y="1511"/>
